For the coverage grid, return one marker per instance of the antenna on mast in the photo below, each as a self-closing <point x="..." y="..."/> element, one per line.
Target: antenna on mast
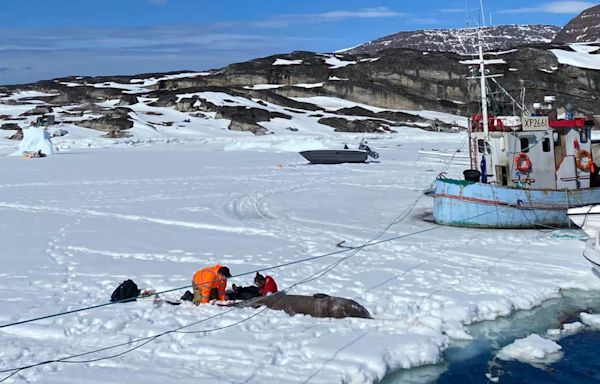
<point x="467" y="12"/>
<point x="482" y="13"/>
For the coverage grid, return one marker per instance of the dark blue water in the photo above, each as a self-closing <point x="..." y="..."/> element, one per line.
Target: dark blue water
<point x="469" y="362"/>
<point x="579" y="365"/>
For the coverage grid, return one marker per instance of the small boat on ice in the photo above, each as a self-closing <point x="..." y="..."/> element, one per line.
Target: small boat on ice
<point x="334" y="156"/>
<point x="339" y="156"/>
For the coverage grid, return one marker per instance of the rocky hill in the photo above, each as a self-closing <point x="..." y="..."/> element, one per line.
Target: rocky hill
<point x="342" y="92"/>
<point x="464" y="40"/>
<point x="584" y="28"/>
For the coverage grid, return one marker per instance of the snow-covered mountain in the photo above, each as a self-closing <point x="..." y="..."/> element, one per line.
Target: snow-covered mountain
<point x="462" y="40"/>
<point x="300" y="92"/>
<point x="585" y="28"/>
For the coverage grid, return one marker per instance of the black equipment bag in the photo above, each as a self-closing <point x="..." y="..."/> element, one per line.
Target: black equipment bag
<point x="126" y="290"/>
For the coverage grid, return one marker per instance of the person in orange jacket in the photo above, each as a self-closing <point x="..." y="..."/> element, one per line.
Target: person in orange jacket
<point x="209" y="283"/>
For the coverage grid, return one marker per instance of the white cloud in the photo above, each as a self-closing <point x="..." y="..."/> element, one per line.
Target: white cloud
<point x="365" y="13"/>
<point x="287" y="20"/>
<point x="556" y="7"/>
<point x="453" y="10"/>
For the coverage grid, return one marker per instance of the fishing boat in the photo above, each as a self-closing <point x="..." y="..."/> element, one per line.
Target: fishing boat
<point x="526" y="170"/>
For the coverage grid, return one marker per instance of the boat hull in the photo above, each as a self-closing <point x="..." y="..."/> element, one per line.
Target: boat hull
<point x="472" y="204"/>
<point x="592" y="254"/>
<point x="587" y="218"/>
<point x="333" y="156"/>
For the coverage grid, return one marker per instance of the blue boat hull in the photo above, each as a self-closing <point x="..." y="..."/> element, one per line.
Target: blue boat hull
<point x="470" y="204"/>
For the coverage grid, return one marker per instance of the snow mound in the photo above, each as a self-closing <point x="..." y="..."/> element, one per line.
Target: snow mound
<point x="291" y="145"/>
<point x="35" y="139"/>
<point x="590" y="320"/>
<point x="531" y="349"/>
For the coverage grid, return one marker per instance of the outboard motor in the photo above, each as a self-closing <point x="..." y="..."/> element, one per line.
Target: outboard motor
<point x="363" y="146"/>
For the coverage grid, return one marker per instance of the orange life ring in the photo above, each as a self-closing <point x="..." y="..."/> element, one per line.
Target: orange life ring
<point x="522" y="162"/>
<point x="585" y="165"/>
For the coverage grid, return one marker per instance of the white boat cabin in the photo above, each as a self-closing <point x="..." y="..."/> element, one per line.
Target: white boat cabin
<point x="533" y="152"/>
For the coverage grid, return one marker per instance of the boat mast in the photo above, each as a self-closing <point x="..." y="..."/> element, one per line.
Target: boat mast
<point x="484" y="108"/>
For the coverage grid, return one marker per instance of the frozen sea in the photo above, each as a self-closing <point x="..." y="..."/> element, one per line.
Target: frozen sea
<point x="74" y="225"/>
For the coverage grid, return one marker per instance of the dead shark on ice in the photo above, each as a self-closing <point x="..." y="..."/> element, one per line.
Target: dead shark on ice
<point x="317" y="305"/>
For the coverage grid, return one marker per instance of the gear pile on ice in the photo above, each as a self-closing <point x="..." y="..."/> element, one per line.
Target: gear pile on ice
<point x="317" y="305"/>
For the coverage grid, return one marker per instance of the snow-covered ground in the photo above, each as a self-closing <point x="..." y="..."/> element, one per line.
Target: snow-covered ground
<point x="171" y="199"/>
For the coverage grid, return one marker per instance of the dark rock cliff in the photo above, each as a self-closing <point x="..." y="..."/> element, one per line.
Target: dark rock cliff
<point x="584" y="28"/>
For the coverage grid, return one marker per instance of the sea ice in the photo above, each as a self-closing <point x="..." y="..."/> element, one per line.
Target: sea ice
<point x="531" y="349"/>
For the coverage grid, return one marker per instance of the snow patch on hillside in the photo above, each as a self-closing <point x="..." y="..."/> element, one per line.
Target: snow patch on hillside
<point x="581" y="58"/>
<point x="287" y="62"/>
<point x="334" y="104"/>
<point x="264" y="86"/>
<point x="26" y="95"/>
<point x="335" y="63"/>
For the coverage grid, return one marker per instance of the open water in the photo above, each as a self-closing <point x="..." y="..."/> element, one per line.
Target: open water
<point x="469" y="362"/>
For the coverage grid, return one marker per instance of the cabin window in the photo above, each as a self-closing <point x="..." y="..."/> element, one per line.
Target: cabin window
<point x="481" y="145"/>
<point x="524" y="144"/>
<point x="583" y="136"/>
<point x="546" y="144"/>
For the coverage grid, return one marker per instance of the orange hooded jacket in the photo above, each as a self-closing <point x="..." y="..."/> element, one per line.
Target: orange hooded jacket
<point x="207" y="279"/>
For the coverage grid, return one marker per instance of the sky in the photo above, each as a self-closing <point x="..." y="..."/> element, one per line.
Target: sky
<point x="44" y="39"/>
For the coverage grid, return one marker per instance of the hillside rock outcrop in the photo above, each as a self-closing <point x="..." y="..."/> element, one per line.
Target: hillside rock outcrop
<point x="584" y="28"/>
<point x="462" y="40"/>
<point x="381" y="89"/>
<point x="113" y="121"/>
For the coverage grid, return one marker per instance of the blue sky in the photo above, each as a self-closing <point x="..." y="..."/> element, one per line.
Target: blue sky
<point x="43" y="39"/>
